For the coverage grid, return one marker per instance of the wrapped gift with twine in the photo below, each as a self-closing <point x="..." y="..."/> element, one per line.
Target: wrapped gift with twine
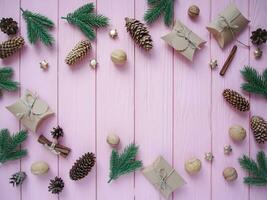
<point x="30" y="110"/>
<point x="183" y="40"/>
<point x="227" y="25"/>
<point x="163" y="177"/>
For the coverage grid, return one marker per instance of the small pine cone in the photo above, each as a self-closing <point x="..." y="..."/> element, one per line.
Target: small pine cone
<point x="82" y="166"/>
<point x="17" y="178"/>
<point x="236" y="100"/>
<point x="258" y="36"/>
<point x="57" y="132"/>
<point x="259" y="128"/>
<point x="56" y="185"/>
<point x="78" y="52"/>
<point x="11" y="46"/>
<point x="9" y="26"/>
<point x="139" y="33"/>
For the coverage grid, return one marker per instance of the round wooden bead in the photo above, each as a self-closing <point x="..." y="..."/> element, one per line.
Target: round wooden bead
<point x="230" y="174"/>
<point x="193" y="166"/>
<point x="193" y="11"/>
<point x="237" y="133"/>
<point x="39" y="168"/>
<point x="113" y="140"/>
<point x="118" y="57"/>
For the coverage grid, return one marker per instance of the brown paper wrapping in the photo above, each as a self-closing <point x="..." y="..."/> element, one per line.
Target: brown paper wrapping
<point x="163" y="177"/>
<point x="183" y="40"/>
<point x="227" y="25"/>
<point x="30" y="110"/>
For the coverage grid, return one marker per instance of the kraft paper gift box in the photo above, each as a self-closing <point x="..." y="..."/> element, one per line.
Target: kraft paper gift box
<point x="30" y="110"/>
<point x="227" y="25"/>
<point x="182" y="39"/>
<point x="163" y="177"/>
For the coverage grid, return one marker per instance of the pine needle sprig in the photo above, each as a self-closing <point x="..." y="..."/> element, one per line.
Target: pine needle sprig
<point x="5" y="82"/>
<point x="38" y="27"/>
<point x="9" y="145"/>
<point x="159" y="8"/>
<point x="257" y="170"/>
<point x="255" y="82"/>
<point x="124" y="163"/>
<point x="86" y="20"/>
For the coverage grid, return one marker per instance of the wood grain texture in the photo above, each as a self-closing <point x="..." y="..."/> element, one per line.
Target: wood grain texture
<point x="159" y="100"/>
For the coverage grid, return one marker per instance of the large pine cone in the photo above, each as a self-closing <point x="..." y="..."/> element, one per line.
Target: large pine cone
<point x="139" y="33"/>
<point x="82" y="166"/>
<point x="9" y="26"/>
<point x="259" y="36"/>
<point x="259" y="128"/>
<point x="78" y="52"/>
<point x="56" y="185"/>
<point x="236" y="100"/>
<point x="11" y="46"/>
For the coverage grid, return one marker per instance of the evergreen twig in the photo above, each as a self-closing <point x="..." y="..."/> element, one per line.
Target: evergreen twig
<point x="159" y="8"/>
<point x="257" y="169"/>
<point x="9" y="145"/>
<point x="255" y="82"/>
<point x="38" y="27"/>
<point x="123" y="163"/>
<point x="5" y="82"/>
<point x="86" y="20"/>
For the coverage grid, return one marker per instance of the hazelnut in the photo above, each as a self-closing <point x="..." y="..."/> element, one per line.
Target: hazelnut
<point x="237" y="133"/>
<point x="230" y="174"/>
<point x="118" y="57"/>
<point x="193" y="166"/>
<point x="193" y="11"/>
<point x="113" y="140"/>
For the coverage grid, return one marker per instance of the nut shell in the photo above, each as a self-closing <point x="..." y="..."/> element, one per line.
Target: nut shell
<point x="118" y="57"/>
<point x="192" y="166"/>
<point x="39" y="168"/>
<point x="230" y="174"/>
<point x="113" y="140"/>
<point x="193" y="11"/>
<point x="237" y="133"/>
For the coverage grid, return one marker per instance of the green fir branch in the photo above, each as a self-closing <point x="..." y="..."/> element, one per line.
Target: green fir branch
<point x="9" y="145"/>
<point x="38" y="27"/>
<point x="255" y="82"/>
<point x="5" y="82"/>
<point x="160" y="8"/>
<point x="124" y="163"/>
<point x="86" y="20"/>
<point x="257" y="170"/>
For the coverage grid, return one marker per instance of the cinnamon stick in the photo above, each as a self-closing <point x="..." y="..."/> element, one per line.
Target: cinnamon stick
<point x="63" y="151"/>
<point x="228" y="60"/>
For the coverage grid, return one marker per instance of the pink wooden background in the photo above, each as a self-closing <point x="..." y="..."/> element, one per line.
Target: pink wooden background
<point x="161" y="101"/>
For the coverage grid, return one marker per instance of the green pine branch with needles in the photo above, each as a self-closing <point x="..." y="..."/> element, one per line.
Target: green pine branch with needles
<point x="38" y="27"/>
<point x="5" y="82"/>
<point x="255" y="82"/>
<point x="86" y="20"/>
<point x="158" y="8"/>
<point x="10" y="145"/>
<point x="257" y="169"/>
<point x="124" y="163"/>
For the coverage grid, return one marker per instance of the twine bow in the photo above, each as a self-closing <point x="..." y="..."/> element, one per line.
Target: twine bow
<point x="186" y="34"/>
<point x="163" y="177"/>
<point x="52" y="148"/>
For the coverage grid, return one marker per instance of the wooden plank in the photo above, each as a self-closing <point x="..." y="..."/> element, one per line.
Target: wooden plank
<point x="76" y="105"/>
<point x="223" y="115"/>
<point x="44" y="83"/>
<point x="258" y="20"/>
<point x="153" y="102"/>
<point x="115" y="97"/>
<point x="192" y="91"/>
<point x="7" y="120"/>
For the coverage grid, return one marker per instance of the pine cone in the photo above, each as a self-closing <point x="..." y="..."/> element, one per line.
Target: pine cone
<point x="78" y="52"/>
<point x="259" y="128"/>
<point x="11" y="46"/>
<point x="259" y="36"/>
<point x="139" y="33"/>
<point x="236" y="100"/>
<point x="82" y="166"/>
<point x="9" y="26"/>
<point x="56" y="185"/>
<point x="17" y="178"/>
<point x="57" y="132"/>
